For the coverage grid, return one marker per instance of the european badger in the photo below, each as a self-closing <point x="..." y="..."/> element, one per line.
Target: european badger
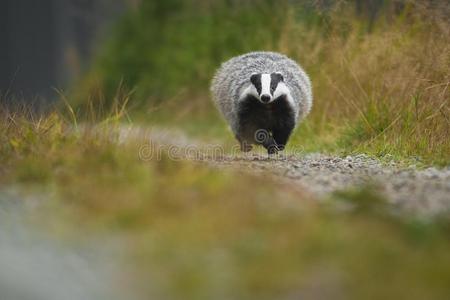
<point x="263" y="96"/>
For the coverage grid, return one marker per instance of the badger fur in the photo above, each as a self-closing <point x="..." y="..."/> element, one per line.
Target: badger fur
<point x="263" y="96"/>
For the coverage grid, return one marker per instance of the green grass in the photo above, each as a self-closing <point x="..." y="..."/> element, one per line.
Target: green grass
<point x="194" y="232"/>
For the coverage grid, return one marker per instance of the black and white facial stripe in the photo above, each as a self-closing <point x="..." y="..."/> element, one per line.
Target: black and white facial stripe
<point x="266" y="85"/>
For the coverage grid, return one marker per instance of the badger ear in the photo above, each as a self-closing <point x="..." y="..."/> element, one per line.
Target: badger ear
<point x="280" y="76"/>
<point x="254" y="78"/>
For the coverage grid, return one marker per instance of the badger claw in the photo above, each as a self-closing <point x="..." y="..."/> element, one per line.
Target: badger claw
<point x="272" y="149"/>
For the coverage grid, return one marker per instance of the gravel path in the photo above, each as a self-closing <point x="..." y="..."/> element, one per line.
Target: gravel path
<point x="426" y="192"/>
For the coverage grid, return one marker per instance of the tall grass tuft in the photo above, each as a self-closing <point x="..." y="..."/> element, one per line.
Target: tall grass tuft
<point x="388" y="89"/>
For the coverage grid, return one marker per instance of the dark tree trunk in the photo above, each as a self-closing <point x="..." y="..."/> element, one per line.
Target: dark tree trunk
<point x="46" y="43"/>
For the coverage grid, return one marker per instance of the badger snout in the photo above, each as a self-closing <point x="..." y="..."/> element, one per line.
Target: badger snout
<point x="265" y="98"/>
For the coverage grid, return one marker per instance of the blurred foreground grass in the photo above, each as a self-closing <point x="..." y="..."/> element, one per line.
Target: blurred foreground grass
<point x="193" y="232"/>
<point x="381" y="85"/>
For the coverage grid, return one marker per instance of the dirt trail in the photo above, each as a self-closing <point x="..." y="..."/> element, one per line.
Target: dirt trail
<point x="426" y="191"/>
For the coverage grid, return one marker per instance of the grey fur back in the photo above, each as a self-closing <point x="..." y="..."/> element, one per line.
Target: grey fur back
<point x="234" y="76"/>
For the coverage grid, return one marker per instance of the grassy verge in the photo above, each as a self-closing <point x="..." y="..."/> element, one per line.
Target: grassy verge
<point x="192" y="232"/>
<point x="381" y="86"/>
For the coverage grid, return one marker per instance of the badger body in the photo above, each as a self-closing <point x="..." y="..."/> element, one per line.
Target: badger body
<point x="263" y="96"/>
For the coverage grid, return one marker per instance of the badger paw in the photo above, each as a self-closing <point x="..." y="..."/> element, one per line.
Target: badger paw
<point x="272" y="149"/>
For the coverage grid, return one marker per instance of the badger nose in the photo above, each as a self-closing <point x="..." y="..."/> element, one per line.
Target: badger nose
<point x="265" y="98"/>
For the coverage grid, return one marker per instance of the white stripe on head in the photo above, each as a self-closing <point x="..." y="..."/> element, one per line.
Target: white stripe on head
<point x="265" y="84"/>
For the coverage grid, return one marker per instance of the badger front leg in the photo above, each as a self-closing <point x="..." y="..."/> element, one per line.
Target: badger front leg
<point x="264" y="137"/>
<point x="282" y="132"/>
<point x="281" y="136"/>
<point x="271" y="146"/>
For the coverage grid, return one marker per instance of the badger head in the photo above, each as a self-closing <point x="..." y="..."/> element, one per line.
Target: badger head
<point x="267" y="87"/>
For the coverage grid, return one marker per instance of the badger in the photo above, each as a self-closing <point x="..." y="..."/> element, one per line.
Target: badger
<point x="263" y="96"/>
